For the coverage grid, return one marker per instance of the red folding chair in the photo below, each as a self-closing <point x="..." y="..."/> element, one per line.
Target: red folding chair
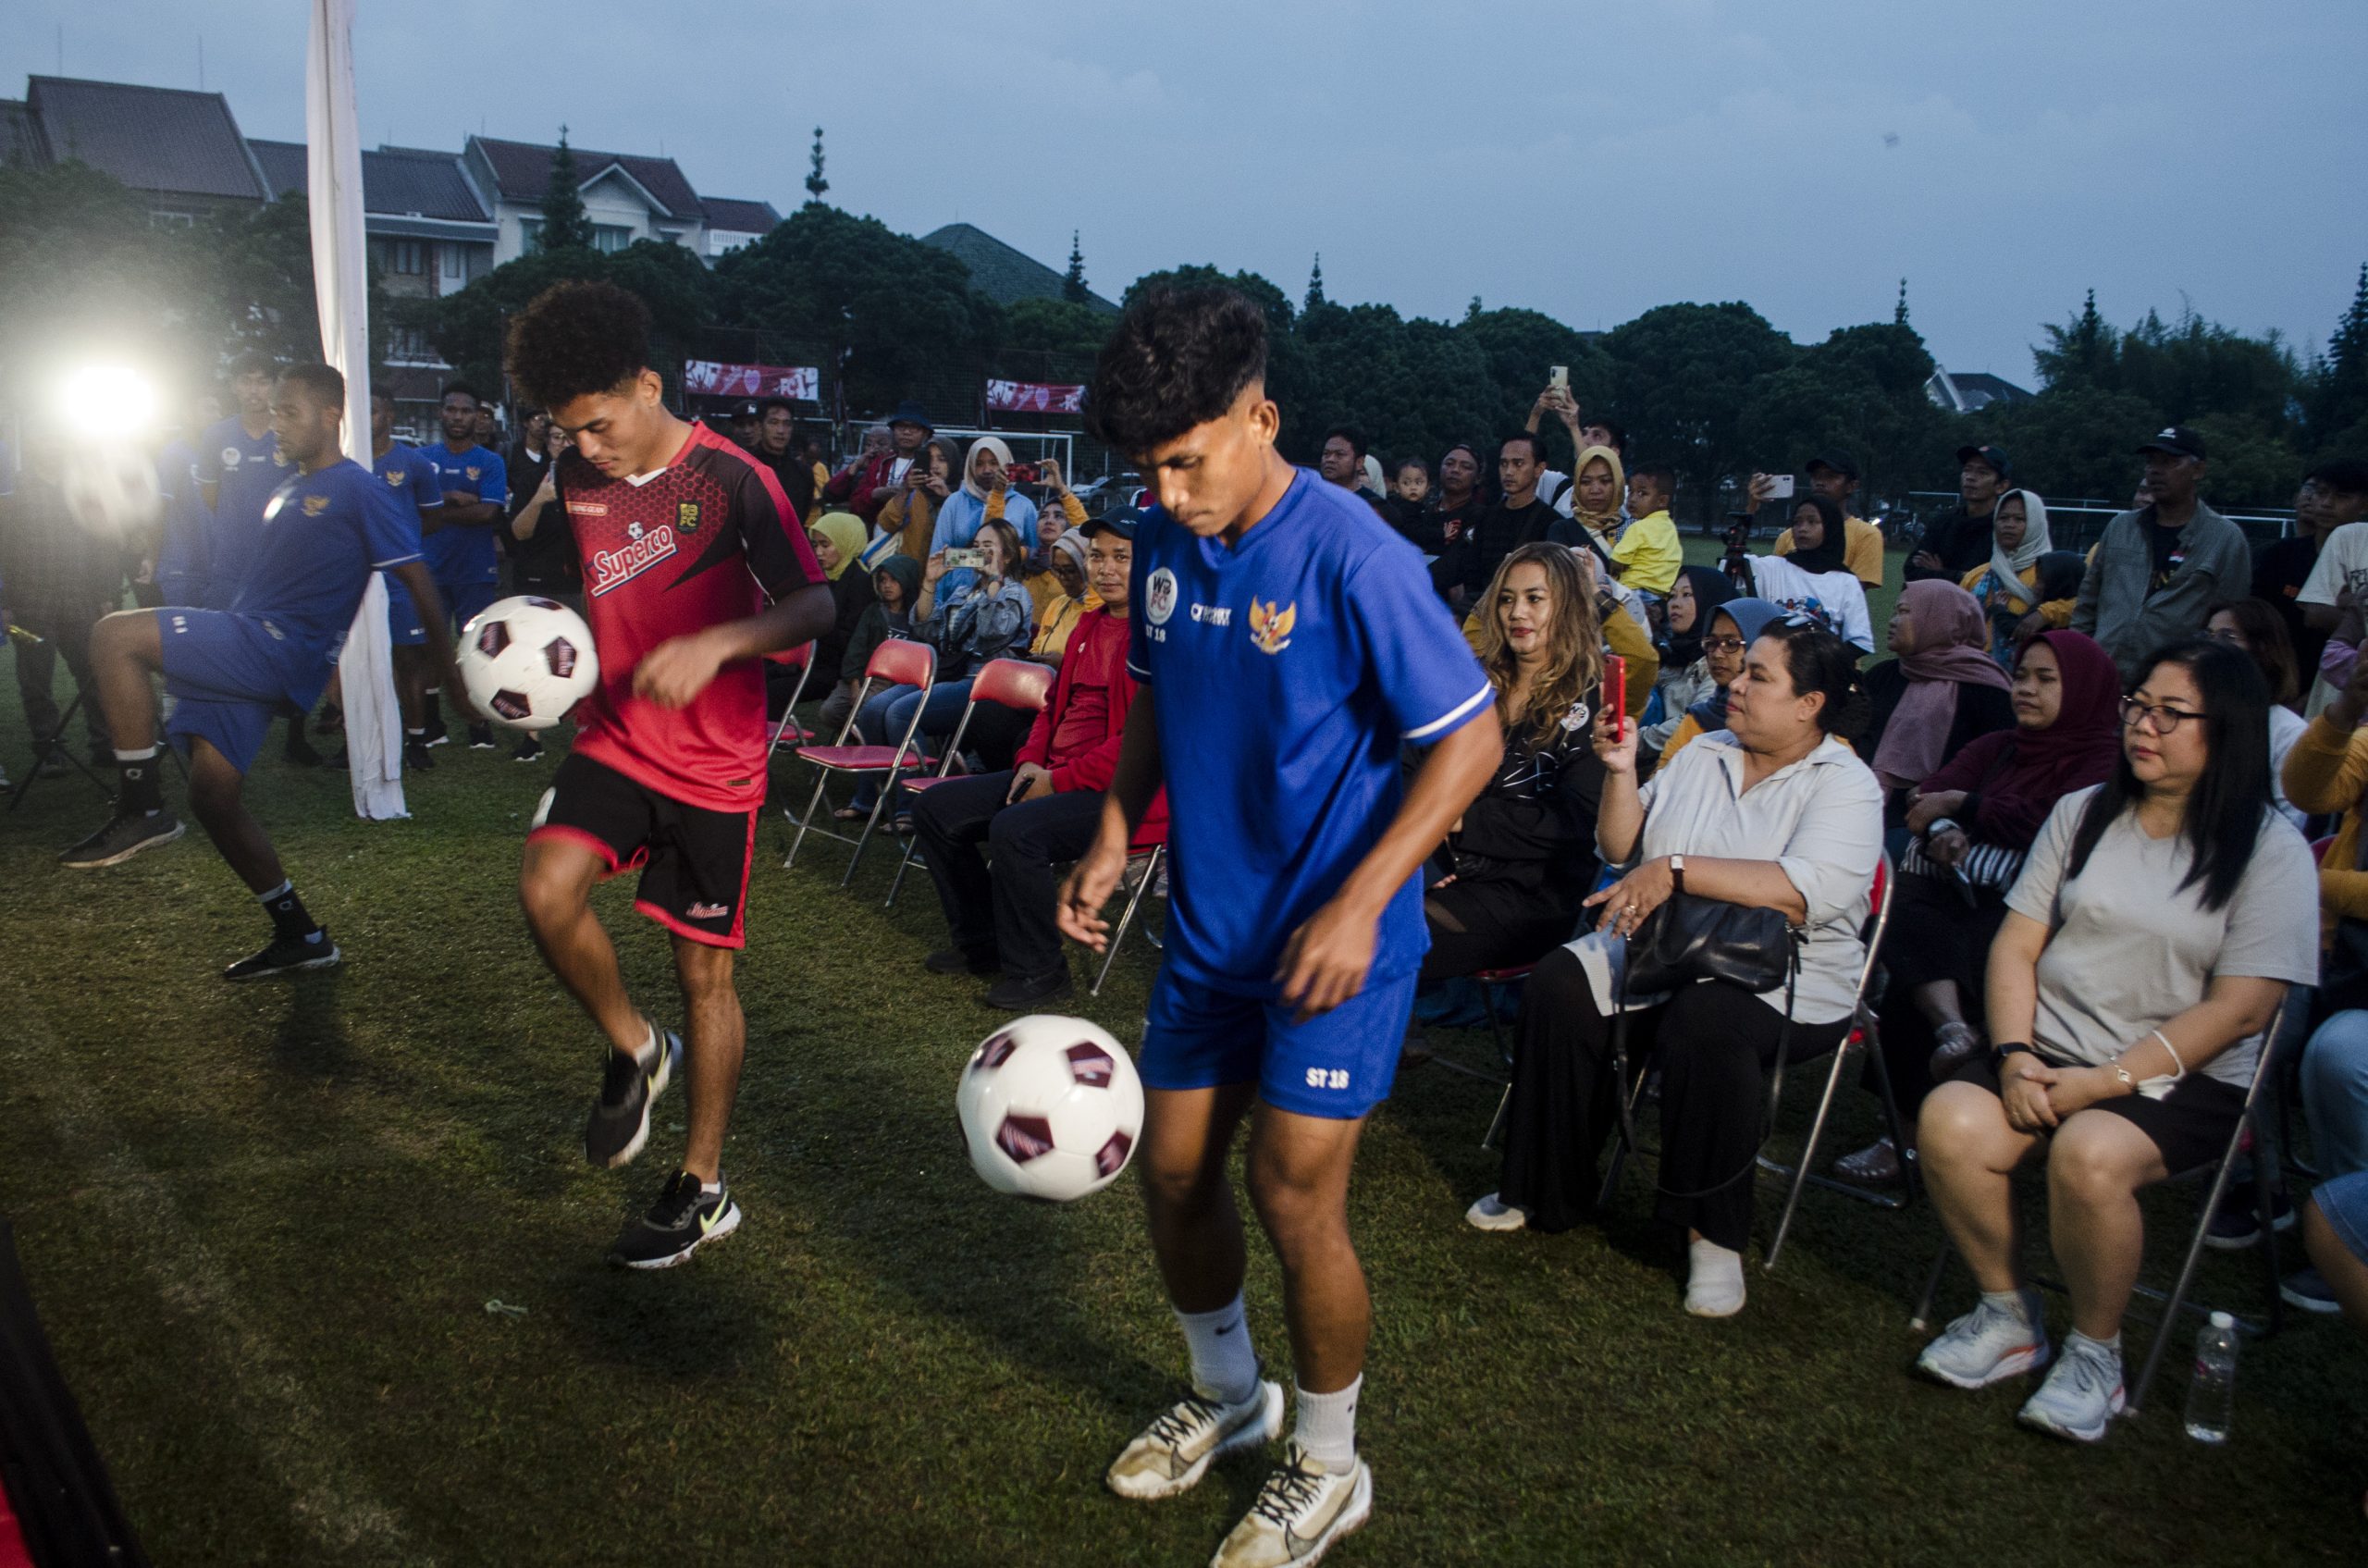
<point x="1007" y="682"/>
<point x="896" y="663"/>
<point x="789" y="729"/>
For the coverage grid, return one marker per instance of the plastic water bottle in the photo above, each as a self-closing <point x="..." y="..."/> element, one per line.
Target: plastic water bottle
<point x="2211" y="1396"/>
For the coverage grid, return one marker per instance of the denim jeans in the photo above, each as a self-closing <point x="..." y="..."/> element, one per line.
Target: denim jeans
<point x="2335" y="1093"/>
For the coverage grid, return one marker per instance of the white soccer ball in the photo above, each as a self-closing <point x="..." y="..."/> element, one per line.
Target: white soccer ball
<point x="110" y="489"/>
<point x="1050" y="1108"/>
<point x="527" y="660"/>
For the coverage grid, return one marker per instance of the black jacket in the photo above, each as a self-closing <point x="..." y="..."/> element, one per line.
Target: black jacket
<point x="1961" y="540"/>
<point x="1533" y="828"/>
<point x="1980" y="710"/>
<point x="1500" y="531"/>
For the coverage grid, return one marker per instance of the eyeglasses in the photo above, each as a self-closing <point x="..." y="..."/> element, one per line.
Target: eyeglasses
<point x="2160" y="720"/>
<point x="2229" y="634"/>
<point x="1722" y="645"/>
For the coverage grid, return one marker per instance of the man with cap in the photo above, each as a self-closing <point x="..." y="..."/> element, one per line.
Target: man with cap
<point x="866" y="487"/>
<point x="740" y="425"/>
<point x="1044" y="812"/>
<point x="1962" y="540"/>
<point x="1834" y="474"/>
<point x="2160" y="568"/>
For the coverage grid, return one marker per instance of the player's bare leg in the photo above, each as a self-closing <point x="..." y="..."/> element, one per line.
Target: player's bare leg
<point x="217" y="799"/>
<point x="716" y="1035"/>
<point x="1196" y="1236"/>
<point x="555" y="883"/>
<point x="1299" y="1184"/>
<point x="127" y="651"/>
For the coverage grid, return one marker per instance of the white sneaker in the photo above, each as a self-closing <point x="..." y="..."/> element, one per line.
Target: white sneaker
<point x="1492" y="1213"/>
<point x="1713" y="1280"/>
<point x="1174" y="1452"/>
<point x="1301" y="1511"/>
<point x="1988" y="1345"/>
<point x="2081" y="1396"/>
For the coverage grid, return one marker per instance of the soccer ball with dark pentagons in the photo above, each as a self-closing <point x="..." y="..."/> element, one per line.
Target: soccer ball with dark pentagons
<point x="1050" y="1108"/>
<point x="527" y="660"/>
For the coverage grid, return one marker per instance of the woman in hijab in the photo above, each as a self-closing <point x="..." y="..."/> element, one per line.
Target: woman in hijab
<point x="2007" y="586"/>
<point x="1733" y="627"/>
<point x="1686" y="677"/>
<point x="983" y="473"/>
<point x="1941" y="693"/>
<point x="1816" y="579"/>
<point x="1973" y="820"/>
<point x="1596" y="488"/>
<point x="838" y="538"/>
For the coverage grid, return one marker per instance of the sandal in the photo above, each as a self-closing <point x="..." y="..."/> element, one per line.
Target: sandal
<point x="1959" y="1044"/>
<point x="1877" y="1165"/>
<point x="848" y="814"/>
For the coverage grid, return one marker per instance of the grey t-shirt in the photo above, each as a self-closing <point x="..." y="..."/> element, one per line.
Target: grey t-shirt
<point x="2130" y="949"/>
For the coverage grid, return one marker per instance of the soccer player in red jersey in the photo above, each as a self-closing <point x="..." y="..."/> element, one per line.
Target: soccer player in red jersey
<point x="693" y="566"/>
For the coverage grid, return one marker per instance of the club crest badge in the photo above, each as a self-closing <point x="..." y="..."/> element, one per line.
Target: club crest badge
<point x="1270" y="626"/>
<point x="1160" y="593"/>
<point x="686" y="517"/>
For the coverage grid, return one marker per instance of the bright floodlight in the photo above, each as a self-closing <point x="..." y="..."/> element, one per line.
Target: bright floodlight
<point x="107" y="400"/>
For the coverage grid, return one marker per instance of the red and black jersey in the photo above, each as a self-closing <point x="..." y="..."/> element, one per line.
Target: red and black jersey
<point x="709" y="539"/>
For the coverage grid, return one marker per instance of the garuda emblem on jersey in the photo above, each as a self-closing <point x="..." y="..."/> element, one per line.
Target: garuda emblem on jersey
<point x="316" y="505"/>
<point x="1270" y="627"/>
<point x="397" y="477"/>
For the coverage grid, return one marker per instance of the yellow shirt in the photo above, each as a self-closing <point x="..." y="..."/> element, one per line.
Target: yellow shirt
<point x="1650" y="555"/>
<point x="1862" y="549"/>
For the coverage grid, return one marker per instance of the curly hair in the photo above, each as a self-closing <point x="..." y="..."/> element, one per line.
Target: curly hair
<point x="576" y="340"/>
<point x="1574" y="663"/>
<point x="1179" y="358"/>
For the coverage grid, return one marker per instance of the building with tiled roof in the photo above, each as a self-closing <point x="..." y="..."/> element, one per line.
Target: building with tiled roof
<point x="179" y="150"/>
<point x="1004" y="275"/>
<point x="628" y="196"/>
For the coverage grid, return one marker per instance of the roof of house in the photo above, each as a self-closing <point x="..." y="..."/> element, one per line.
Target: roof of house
<point x="741" y="218"/>
<point x="1004" y="275"/>
<point x="522" y="171"/>
<point x="399" y="181"/>
<point x="1967" y="391"/>
<point x="156" y="139"/>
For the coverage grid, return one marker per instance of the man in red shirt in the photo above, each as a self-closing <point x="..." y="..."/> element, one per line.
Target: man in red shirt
<point x="693" y="566"/>
<point x="865" y="485"/>
<point x="1044" y="812"/>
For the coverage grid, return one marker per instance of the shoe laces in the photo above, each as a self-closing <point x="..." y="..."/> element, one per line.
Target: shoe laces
<point x="682" y="1195"/>
<point x="1288" y="1492"/>
<point x="1175" y="1424"/>
<point x="2089" y="1370"/>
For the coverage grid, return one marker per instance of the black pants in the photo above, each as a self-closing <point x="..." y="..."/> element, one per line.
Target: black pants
<point x="1934" y="935"/>
<point x="1483" y="925"/>
<point x="1005" y="916"/>
<point x="65" y="633"/>
<point x="1716" y="1043"/>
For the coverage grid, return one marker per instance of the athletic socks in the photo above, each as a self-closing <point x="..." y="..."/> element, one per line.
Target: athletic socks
<point x="647" y="1052"/>
<point x="2009" y="1301"/>
<point x="142" y="792"/>
<point x="1326" y="1429"/>
<point x="1224" y="1366"/>
<point x="289" y="920"/>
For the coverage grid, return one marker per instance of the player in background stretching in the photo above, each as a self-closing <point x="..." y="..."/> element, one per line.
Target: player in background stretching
<point x="329" y="525"/>
<point x="1288" y="645"/>
<point x="684" y="541"/>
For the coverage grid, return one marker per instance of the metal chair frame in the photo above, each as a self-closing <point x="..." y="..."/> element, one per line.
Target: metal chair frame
<point x="1030" y="686"/>
<point x="2174" y="1301"/>
<point x="1150" y="859"/>
<point x="804" y="654"/>
<point x="889" y="661"/>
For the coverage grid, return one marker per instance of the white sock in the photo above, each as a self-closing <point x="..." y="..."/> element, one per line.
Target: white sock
<point x="1224" y="1366"/>
<point x="1714" y="1275"/>
<point x="2105" y="1347"/>
<point x="1327" y="1427"/>
<point x="409" y="732"/>
<point x="287" y="885"/>
<point x="140" y="756"/>
<point x="709" y="1189"/>
<point x="647" y="1052"/>
<point x="2009" y="1301"/>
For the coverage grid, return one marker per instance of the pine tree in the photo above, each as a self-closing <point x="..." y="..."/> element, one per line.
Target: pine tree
<point x="2338" y="398"/>
<point x="566" y="226"/>
<point x="1899" y="312"/>
<point x="815" y="183"/>
<point x="1073" y="286"/>
<point x="2087" y="353"/>
<point x="1315" y="284"/>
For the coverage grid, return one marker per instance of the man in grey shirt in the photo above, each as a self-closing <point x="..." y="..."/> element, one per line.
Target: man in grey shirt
<point x="2158" y="570"/>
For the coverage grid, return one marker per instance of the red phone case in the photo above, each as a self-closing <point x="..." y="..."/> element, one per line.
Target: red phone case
<point x="1615" y="691"/>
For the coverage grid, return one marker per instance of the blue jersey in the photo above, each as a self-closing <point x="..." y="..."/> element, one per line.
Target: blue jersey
<point x="414" y="478"/>
<point x="245" y="470"/>
<point x="322" y="535"/>
<point x="1287" y="671"/>
<point x="467" y="553"/>
<point x="181" y="558"/>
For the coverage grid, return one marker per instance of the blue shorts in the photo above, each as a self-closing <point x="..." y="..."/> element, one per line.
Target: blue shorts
<point x="1338" y="1065"/>
<point x="404" y="627"/>
<point x="2343" y="1200"/>
<point x="462" y="602"/>
<point x="227" y="675"/>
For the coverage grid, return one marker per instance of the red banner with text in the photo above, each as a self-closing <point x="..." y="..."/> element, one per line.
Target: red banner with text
<point x="1034" y="397"/>
<point x="713" y="379"/>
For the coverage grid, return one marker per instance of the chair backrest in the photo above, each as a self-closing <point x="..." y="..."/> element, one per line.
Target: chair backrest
<point x="903" y="661"/>
<point x="795" y="658"/>
<point x="1014" y="682"/>
<point x="1878" y="922"/>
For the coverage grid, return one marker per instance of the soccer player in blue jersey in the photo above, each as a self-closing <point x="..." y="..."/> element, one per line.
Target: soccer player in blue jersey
<point x="459" y="548"/>
<point x="413" y="476"/>
<point x="1288" y="646"/>
<point x="329" y="524"/>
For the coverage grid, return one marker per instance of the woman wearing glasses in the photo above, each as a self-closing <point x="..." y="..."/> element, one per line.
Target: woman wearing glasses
<point x="1733" y="627"/>
<point x="2156" y="923"/>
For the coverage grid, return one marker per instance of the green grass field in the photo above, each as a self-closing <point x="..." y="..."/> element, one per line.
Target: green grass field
<point x="264" y="1224"/>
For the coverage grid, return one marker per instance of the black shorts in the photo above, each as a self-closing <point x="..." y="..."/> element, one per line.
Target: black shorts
<point x="694" y="862"/>
<point x="2190" y="1125"/>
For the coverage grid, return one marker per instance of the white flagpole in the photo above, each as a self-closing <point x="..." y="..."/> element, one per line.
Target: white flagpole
<point x="340" y="281"/>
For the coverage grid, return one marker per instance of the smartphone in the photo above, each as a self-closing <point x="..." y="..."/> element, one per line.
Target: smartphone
<point x="1559" y="378"/>
<point x="1779" y="487"/>
<point x="958" y="555"/>
<point x="1614" y="697"/>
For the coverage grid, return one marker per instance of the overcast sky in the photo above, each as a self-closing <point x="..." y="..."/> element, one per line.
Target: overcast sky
<point x="1588" y="160"/>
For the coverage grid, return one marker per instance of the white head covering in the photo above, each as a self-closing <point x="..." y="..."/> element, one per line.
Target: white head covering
<point x="2008" y="569"/>
<point x="1374" y="481"/>
<point x="969" y="462"/>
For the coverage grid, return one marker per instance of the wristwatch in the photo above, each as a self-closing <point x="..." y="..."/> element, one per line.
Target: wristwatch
<point x="1677" y="873"/>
